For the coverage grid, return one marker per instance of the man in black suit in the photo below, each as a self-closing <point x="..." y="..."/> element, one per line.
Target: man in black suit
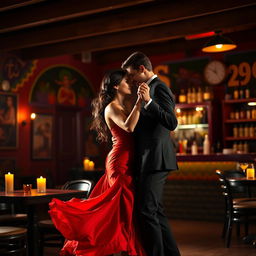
<point x="155" y="155"/>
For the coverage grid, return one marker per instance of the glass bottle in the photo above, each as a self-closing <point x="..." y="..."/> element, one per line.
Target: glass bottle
<point x="182" y="96"/>
<point x="193" y="95"/>
<point x="199" y="95"/>
<point x="235" y="131"/>
<point x="206" y="94"/>
<point x="189" y="96"/>
<point x="206" y="145"/>
<point x="235" y="94"/>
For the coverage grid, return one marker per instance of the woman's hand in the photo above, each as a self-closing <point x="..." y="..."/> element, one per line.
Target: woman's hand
<point x="143" y="92"/>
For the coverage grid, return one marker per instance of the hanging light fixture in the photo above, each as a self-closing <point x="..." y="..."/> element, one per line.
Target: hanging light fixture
<point x="219" y="43"/>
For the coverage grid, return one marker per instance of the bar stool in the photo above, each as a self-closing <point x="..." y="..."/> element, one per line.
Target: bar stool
<point x="13" y="241"/>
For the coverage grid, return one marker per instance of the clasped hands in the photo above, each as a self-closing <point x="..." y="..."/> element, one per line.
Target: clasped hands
<point x="143" y="92"/>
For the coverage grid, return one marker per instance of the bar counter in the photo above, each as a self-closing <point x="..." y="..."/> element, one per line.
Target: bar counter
<point x="193" y="191"/>
<point x="251" y="157"/>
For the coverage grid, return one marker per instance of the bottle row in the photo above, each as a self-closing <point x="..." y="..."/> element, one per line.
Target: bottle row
<point x="248" y="113"/>
<point x="197" y="116"/>
<point x="193" y="95"/>
<point x="241" y="147"/>
<point x="241" y="93"/>
<point x="246" y="130"/>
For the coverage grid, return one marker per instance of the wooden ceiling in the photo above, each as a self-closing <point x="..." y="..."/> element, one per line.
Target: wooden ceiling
<point x="110" y="29"/>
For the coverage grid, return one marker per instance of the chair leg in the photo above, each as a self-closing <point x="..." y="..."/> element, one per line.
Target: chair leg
<point x="229" y="232"/>
<point x="238" y="229"/>
<point x="224" y="230"/>
<point x="246" y="228"/>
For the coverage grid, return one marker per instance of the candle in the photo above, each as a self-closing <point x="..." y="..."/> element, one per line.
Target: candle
<point x="250" y="173"/>
<point x="86" y="163"/>
<point x="91" y="165"/>
<point x="9" y="182"/>
<point x="41" y="184"/>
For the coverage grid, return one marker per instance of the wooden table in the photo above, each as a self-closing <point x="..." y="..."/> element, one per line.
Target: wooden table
<point x="29" y="201"/>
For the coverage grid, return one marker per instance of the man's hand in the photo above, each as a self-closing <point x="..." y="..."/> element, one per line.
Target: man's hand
<point x="143" y="91"/>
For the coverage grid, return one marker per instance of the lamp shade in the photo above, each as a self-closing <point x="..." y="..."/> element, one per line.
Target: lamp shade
<point x="219" y="43"/>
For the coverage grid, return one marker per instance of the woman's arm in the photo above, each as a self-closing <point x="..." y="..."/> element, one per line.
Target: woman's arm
<point x="116" y="113"/>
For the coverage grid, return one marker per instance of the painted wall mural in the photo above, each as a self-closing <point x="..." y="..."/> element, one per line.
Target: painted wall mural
<point x="62" y="85"/>
<point x="14" y="71"/>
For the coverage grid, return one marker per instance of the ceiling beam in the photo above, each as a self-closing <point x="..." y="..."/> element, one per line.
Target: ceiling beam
<point x="105" y="23"/>
<point x="54" y="11"/>
<point x="12" y="4"/>
<point x="233" y="19"/>
<point x="168" y="47"/>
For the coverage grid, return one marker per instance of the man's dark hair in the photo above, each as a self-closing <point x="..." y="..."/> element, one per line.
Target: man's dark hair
<point x="136" y="59"/>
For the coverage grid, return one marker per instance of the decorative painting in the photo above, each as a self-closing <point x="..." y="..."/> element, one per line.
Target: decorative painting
<point x="42" y="129"/>
<point x="8" y="121"/>
<point x="61" y="85"/>
<point x="15" y="70"/>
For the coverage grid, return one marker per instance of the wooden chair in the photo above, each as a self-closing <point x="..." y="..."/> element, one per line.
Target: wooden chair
<point x="237" y="210"/>
<point x="49" y="235"/>
<point x="13" y="241"/>
<point x="8" y="217"/>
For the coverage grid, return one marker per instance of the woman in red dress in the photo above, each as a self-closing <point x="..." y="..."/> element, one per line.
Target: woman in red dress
<point x="104" y="223"/>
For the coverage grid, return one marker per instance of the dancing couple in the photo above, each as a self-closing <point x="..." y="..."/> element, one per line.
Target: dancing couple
<point x="124" y="213"/>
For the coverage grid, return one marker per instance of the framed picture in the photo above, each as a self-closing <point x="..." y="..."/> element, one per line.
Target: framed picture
<point x="42" y="127"/>
<point x="8" y="121"/>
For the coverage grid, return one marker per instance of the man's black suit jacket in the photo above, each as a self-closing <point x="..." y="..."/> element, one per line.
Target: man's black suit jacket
<point x="154" y="149"/>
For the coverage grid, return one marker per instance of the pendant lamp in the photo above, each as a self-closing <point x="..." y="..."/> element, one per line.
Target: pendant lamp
<point x="219" y="43"/>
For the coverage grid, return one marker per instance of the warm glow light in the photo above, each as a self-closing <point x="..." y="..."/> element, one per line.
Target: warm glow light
<point x="252" y="103"/>
<point x="219" y="43"/>
<point x="199" y="108"/>
<point x="178" y="110"/>
<point x="219" y="46"/>
<point x="33" y="116"/>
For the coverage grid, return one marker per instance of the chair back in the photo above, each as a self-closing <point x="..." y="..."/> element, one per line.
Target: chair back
<point x="226" y="190"/>
<point x="239" y="190"/>
<point x="83" y="185"/>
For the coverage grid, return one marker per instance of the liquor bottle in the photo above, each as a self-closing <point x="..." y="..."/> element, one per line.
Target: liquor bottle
<point x="182" y="96"/>
<point x="193" y="95"/>
<point x="199" y="95"/>
<point x="194" y="149"/>
<point x="235" y="94"/>
<point x="206" y="94"/>
<point x="206" y="145"/>
<point x="235" y="131"/>
<point x="235" y="147"/>
<point x="189" y="96"/>
<point x="247" y="93"/>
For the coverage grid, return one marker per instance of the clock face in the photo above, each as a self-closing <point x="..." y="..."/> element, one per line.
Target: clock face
<point x="215" y="72"/>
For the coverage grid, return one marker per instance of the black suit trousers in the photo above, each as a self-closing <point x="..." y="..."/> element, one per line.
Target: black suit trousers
<point x="155" y="232"/>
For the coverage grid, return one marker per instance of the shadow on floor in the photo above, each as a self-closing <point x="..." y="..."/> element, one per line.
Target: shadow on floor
<point x="200" y="238"/>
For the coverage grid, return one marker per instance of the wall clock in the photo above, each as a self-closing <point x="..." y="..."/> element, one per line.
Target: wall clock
<point x="215" y="72"/>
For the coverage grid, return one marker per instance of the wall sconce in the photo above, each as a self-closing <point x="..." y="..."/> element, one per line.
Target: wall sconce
<point x="219" y="43"/>
<point x="33" y="116"/>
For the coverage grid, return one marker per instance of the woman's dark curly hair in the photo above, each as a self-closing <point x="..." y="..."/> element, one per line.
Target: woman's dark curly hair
<point x="106" y="95"/>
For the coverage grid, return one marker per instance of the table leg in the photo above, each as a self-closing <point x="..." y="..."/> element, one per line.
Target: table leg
<point x="33" y="238"/>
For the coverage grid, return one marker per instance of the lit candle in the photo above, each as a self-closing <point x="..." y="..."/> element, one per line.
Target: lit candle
<point x="250" y="173"/>
<point x="9" y="182"/>
<point x="91" y="165"/>
<point x="41" y="184"/>
<point x="86" y="163"/>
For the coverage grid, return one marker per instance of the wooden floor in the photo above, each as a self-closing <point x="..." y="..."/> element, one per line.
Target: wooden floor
<point x="197" y="238"/>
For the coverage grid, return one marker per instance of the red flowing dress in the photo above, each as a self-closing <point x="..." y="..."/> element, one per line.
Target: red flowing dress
<point x="104" y="223"/>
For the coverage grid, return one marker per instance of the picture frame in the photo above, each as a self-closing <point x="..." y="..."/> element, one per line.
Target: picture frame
<point x="42" y="131"/>
<point x="8" y="121"/>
